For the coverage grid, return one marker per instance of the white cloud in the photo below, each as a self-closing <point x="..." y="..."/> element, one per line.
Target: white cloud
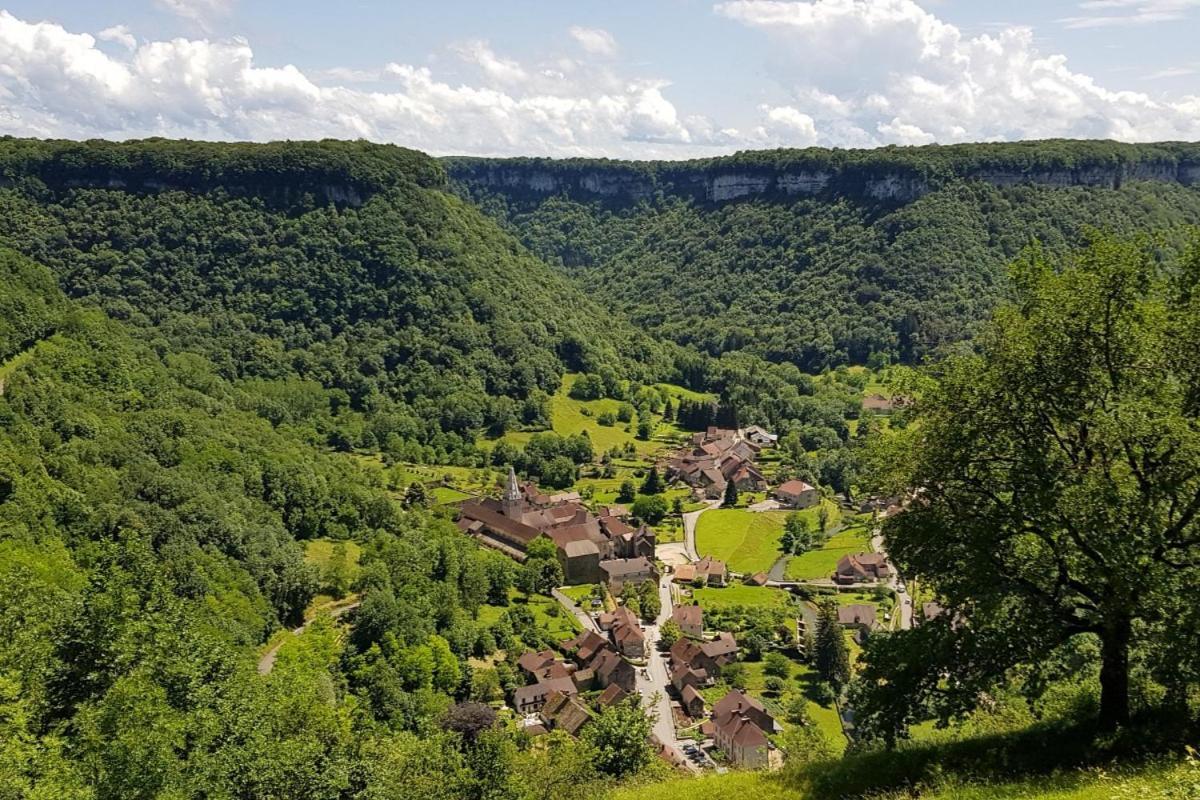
<point x="596" y="41"/>
<point x="199" y="11"/>
<point x="1110" y="13"/>
<point x="119" y="34"/>
<point x="887" y="71"/>
<point x="57" y="83"/>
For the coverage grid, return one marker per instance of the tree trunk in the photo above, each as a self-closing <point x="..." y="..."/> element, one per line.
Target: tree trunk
<point x="1114" y="674"/>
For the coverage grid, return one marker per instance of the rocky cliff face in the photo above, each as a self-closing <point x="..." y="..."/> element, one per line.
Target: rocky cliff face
<point x="625" y="182"/>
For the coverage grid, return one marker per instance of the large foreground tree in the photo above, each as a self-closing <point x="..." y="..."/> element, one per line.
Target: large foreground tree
<point x="1054" y="477"/>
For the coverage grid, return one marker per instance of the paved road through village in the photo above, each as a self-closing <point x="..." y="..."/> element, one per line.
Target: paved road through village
<point x="653" y="681"/>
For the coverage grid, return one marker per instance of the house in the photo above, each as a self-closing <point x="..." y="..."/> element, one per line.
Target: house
<point x="531" y="698"/>
<point x="626" y="631"/>
<point x="585" y="646"/>
<point x="861" y="568"/>
<point x="565" y="712"/>
<point x="708" y="657"/>
<point x="758" y="579"/>
<point x="857" y="615"/>
<point x="684" y="573"/>
<point x="532" y="663"/>
<point x="690" y="620"/>
<point x="620" y="571"/>
<point x="713" y="571"/>
<point x="585" y="679"/>
<point x="611" y="696"/>
<point x="692" y="701"/>
<point x="684" y="675"/>
<point x="759" y="436"/>
<point x="611" y="669"/>
<point x="740" y="728"/>
<point x="797" y="494"/>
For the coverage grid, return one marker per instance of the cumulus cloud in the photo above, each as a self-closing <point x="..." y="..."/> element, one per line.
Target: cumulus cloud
<point x="119" y="34"/>
<point x="872" y="72"/>
<point x="594" y="40"/>
<point x="57" y="83"/>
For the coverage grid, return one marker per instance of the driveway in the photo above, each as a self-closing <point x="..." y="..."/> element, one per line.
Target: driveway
<point x="585" y="619"/>
<point x="689" y="528"/>
<point x="765" y="505"/>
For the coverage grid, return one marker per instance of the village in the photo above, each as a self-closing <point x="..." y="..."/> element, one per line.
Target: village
<point x="708" y="649"/>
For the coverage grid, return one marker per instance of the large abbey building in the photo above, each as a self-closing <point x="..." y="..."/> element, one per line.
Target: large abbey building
<point x="583" y="540"/>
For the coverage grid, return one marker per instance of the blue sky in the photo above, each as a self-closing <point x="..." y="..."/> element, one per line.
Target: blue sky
<point x="651" y="78"/>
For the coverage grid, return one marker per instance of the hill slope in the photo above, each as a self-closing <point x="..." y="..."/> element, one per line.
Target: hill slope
<point x="820" y="257"/>
<point x="343" y="263"/>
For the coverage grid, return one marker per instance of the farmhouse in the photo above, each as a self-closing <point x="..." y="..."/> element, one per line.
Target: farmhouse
<point x="581" y="539"/>
<point x="627" y="633"/>
<point x="797" y="494"/>
<point x="861" y="568"/>
<point x="715" y="458"/>
<point x="531" y="698"/>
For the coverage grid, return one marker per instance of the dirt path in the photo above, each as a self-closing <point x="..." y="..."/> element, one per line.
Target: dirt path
<point x="266" y="662"/>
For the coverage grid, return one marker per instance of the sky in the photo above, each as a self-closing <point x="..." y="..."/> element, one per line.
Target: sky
<point x="616" y="78"/>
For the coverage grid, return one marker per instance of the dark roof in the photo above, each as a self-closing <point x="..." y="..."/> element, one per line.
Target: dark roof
<point x="857" y="614"/>
<point x="690" y="616"/>
<point x="611" y="696"/>
<point x="620" y="567"/>
<point x="480" y="510"/>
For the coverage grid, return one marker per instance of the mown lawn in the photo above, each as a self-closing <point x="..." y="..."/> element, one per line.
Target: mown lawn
<point x="747" y="541"/>
<point x="741" y="595"/>
<point x="816" y="564"/>
<point x="319" y="552"/>
<point x="443" y="495"/>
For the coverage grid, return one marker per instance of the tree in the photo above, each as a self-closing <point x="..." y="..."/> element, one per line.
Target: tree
<point x="619" y="738"/>
<point x="627" y="491"/>
<point x="416" y="496"/>
<point x="669" y="633"/>
<point x="469" y="720"/>
<point x="649" y="509"/>
<point x="649" y="600"/>
<point x="797" y="536"/>
<point x="833" y="657"/>
<point x="1059" y="469"/>
<point x="734" y="674"/>
<point x="731" y="495"/>
<point x="677" y="506"/>
<point x="645" y="427"/>
<point x="540" y="575"/>
<point x="777" y="664"/>
<point x="823" y="519"/>
<point x="337" y="572"/>
<point x="559" y="472"/>
<point x="653" y="484"/>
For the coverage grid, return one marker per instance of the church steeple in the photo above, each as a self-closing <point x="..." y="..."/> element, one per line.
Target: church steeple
<point x="511" y="501"/>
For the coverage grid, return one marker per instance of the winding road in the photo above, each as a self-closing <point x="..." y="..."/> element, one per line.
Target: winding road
<point x="689" y="528"/>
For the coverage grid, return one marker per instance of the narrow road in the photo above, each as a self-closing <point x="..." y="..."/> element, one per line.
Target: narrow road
<point x="654" y="682"/>
<point x="903" y="599"/>
<point x="585" y="619"/>
<point x="267" y="661"/>
<point x="689" y="528"/>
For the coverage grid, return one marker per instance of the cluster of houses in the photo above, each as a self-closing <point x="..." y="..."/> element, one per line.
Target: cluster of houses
<point x="552" y="700"/>
<point x="590" y="547"/>
<point x="718" y="456"/>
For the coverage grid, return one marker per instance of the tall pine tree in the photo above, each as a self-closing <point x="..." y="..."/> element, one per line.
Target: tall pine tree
<point x="833" y="659"/>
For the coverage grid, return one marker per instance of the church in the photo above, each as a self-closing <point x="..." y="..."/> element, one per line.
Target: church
<point x="583" y="540"/>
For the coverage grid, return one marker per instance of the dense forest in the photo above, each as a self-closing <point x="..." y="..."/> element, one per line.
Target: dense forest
<point x="840" y="276"/>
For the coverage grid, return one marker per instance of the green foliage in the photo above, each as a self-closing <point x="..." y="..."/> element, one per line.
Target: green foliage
<point x="730" y="499"/>
<point x="1067" y="464"/>
<point x="832" y="659"/>
<point x="619" y="739"/>
<point x="650" y="509"/>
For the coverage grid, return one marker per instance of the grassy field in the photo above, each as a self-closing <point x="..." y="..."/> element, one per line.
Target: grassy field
<point x="1160" y="783"/>
<point x="747" y="541"/>
<point x="741" y="595"/>
<point x="568" y="416"/>
<point x="821" y="563"/>
<point x="319" y="552"/>
<point x="443" y="495"/>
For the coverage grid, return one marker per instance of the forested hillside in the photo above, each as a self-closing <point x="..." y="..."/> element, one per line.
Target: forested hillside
<point x="339" y="263"/>
<point x="821" y="258"/>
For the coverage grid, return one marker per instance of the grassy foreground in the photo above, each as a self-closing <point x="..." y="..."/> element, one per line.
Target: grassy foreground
<point x="1172" y="782"/>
